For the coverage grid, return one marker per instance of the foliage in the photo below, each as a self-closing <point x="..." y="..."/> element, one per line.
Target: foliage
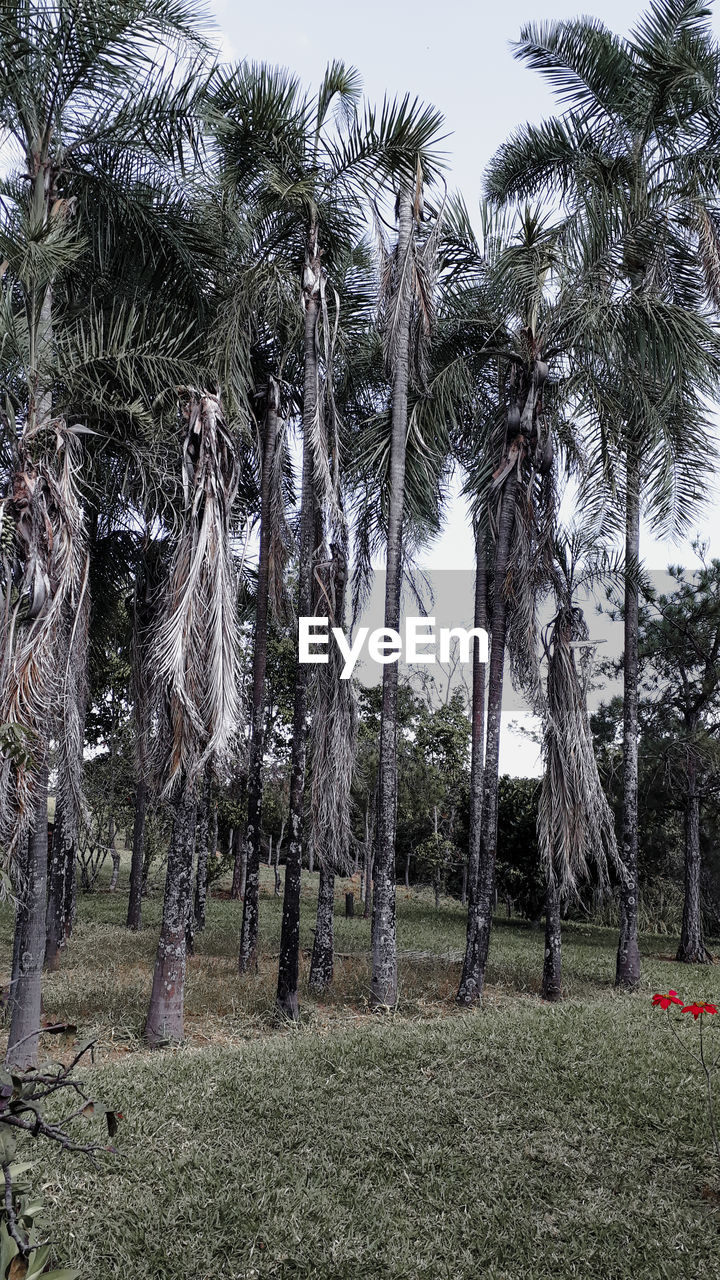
<point x="520" y="876"/>
<point x="23" y="1096"/>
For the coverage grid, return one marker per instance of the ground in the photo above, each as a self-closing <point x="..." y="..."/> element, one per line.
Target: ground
<point x="523" y="1142"/>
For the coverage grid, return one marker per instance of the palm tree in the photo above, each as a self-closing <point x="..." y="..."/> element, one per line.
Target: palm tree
<point x="576" y="828"/>
<point x="193" y="661"/>
<point x="407" y="312"/>
<point x="633" y="161"/>
<point x="271" y="562"/>
<point x="75" y="93"/>
<point x="510" y="297"/>
<point x="319" y="153"/>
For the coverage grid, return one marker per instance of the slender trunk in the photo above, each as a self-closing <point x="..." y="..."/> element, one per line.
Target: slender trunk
<point x="277" y="867"/>
<point x="243" y="874"/>
<point x="383" y="984"/>
<point x="202" y="836"/>
<point x="367" y="910"/>
<point x="238" y="867"/>
<point x="407" y="869"/>
<point x="321" y="964"/>
<point x="477" y="758"/>
<point x="627" y="972"/>
<point x="54" y="913"/>
<point x="552" y="963"/>
<point x="60" y="911"/>
<point x="134" y="913"/>
<point x="249" y="933"/>
<point x="288" y="968"/>
<point x="165" y="1020"/>
<point x="463" y="891"/>
<point x="481" y="900"/>
<point x="205" y="854"/>
<point x="70" y="904"/>
<point x="21" y="874"/>
<point x="115" y="857"/>
<point x="26" y="996"/>
<point x="692" y="948"/>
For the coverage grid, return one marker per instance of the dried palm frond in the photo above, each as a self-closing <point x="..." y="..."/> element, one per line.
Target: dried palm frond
<point x="332" y="734"/>
<point x="282" y="542"/>
<point x="576" y="829"/>
<point x="410" y="278"/>
<point x="44" y="646"/>
<point x="193" y="653"/>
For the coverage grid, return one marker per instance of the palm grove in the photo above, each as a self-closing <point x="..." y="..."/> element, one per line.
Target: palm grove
<point x="235" y="308"/>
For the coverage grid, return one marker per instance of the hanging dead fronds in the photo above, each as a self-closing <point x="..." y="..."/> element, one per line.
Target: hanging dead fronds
<point x="282" y="542"/>
<point x="408" y="281"/>
<point x="45" y="600"/>
<point x="576" y="829"/>
<point x="193" y="655"/>
<point x="332" y="734"/>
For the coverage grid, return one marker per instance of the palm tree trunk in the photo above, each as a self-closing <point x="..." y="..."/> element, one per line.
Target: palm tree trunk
<point x="205" y="852"/>
<point x="477" y="759"/>
<point x="321" y="964"/>
<point x="692" y="948"/>
<point x="481" y="900"/>
<point x="289" y="963"/>
<point x="249" y="933"/>
<point x="134" y="913"/>
<point x="60" y="866"/>
<point x="165" y="1020"/>
<point x="202" y="836"/>
<point x="552" y="963"/>
<point x="114" y="856"/>
<point x="26" y="994"/>
<point x="627" y="972"/>
<point x="383" y="984"/>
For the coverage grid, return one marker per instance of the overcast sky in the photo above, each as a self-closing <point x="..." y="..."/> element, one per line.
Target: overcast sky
<point x="457" y="56"/>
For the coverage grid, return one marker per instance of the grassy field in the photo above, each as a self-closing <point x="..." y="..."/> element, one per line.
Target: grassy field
<point x="523" y="1142"/>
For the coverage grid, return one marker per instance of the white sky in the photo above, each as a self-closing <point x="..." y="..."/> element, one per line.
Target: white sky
<point x="455" y="55"/>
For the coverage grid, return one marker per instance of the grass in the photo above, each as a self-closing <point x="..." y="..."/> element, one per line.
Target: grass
<point x="523" y="1142"/>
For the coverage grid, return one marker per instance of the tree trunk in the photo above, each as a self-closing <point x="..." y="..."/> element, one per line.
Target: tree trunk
<point x="165" y="1020"/>
<point x="692" y="948"/>
<point x="552" y="963"/>
<point x="383" y="984"/>
<point x="55" y="909"/>
<point x="202" y="835"/>
<point x="26" y="994"/>
<point x="367" y="911"/>
<point x="21" y="874"/>
<point x="477" y="758"/>
<point x="407" y="869"/>
<point x="481" y="900"/>
<point x="249" y="933"/>
<point x="288" y="968"/>
<point x="115" y="857"/>
<point x="627" y="973"/>
<point x="205" y="853"/>
<point x="134" y="913"/>
<point x="321" y="964"/>
<point x="277" y="869"/>
<point x="463" y="891"/>
<point x="238" y="867"/>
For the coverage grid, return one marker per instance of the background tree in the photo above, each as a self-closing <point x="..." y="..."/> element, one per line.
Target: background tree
<point x="630" y="161"/>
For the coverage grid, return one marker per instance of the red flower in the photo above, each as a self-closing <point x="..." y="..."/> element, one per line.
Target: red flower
<point x="699" y="1007"/>
<point x="664" y="1002"/>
